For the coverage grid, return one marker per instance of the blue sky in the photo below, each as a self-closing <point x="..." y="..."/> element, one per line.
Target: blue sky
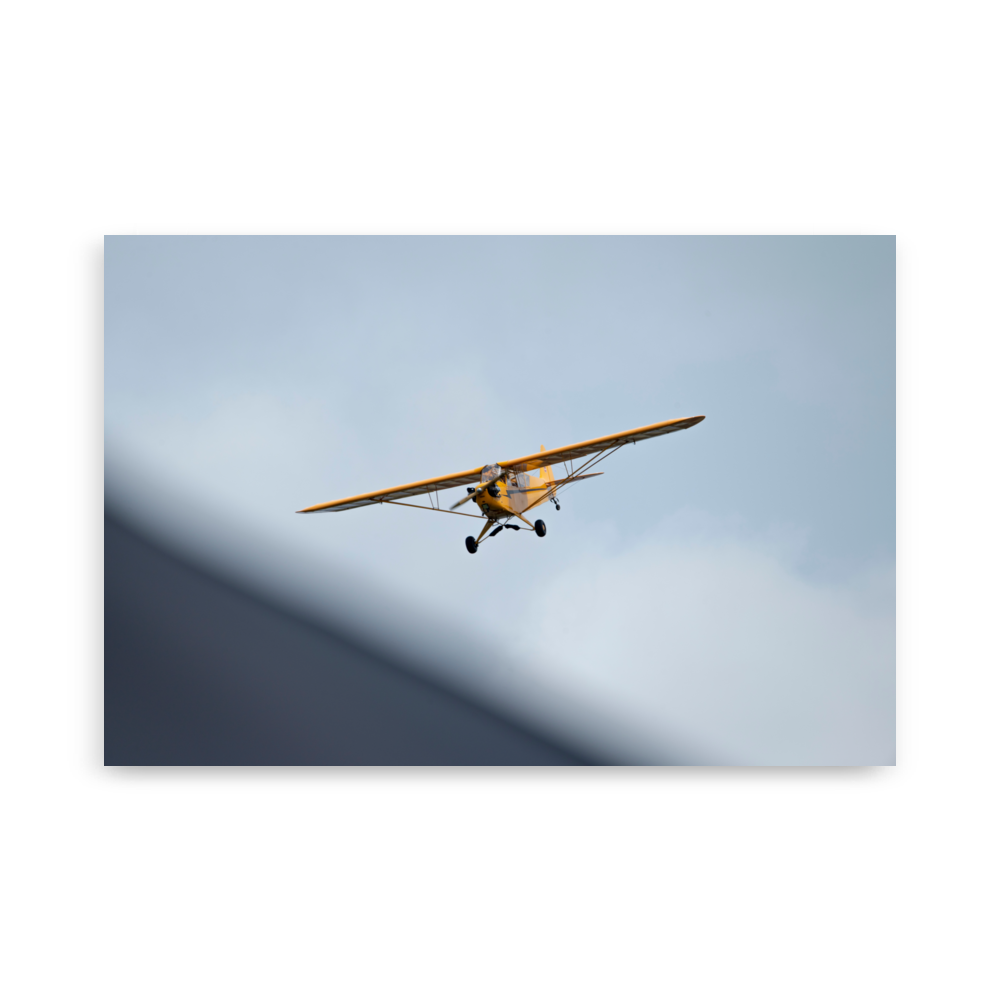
<point x="757" y="550"/>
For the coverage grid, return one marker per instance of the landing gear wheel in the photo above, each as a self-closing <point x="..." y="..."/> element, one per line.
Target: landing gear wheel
<point x="540" y="528"/>
<point x="470" y="544"/>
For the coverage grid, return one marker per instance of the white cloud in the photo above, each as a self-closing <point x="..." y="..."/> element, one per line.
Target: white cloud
<point x="716" y="640"/>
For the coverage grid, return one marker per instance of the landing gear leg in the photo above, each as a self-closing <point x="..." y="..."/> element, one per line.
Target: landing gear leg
<point x="472" y="544"/>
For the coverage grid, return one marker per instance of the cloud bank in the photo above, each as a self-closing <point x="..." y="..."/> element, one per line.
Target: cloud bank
<point x="718" y="639"/>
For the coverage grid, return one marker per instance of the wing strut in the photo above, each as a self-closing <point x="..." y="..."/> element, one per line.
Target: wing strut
<point x="416" y="506"/>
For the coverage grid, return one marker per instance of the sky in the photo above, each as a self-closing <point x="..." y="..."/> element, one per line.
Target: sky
<point x="731" y="586"/>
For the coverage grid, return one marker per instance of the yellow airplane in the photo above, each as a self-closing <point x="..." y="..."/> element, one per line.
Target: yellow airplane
<point x="506" y="490"/>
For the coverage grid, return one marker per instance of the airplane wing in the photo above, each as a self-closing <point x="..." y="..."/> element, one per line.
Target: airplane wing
<point x="525" y="464"/>
<point x="594" y="445"/>
<point x="467" y="478"/>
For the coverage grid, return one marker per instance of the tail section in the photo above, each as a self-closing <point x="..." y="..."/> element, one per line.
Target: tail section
<point x="531" y="497"/>
<point x="545" y="474"/>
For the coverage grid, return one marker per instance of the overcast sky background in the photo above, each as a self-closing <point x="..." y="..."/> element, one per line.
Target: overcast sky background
<point x="731" y="585"/>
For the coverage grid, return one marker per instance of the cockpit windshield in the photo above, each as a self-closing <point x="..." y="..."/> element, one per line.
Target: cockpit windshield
<point x="490" y="472"/>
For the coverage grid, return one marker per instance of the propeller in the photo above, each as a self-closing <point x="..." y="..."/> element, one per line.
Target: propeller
<point x="478" y="491"/>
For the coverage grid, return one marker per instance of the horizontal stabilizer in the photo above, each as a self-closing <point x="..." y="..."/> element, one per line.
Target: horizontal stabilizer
<point x="560" y="482"/>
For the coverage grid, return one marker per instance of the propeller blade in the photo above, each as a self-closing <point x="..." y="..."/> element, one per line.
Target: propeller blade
<point x="478" y="491"/>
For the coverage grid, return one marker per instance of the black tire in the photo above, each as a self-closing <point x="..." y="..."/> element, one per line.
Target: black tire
<point x="470" y="544"/>
<point x="540" y="528"/>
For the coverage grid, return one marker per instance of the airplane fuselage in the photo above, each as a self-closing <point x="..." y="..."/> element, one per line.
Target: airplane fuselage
<point x="517" y="491"/>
